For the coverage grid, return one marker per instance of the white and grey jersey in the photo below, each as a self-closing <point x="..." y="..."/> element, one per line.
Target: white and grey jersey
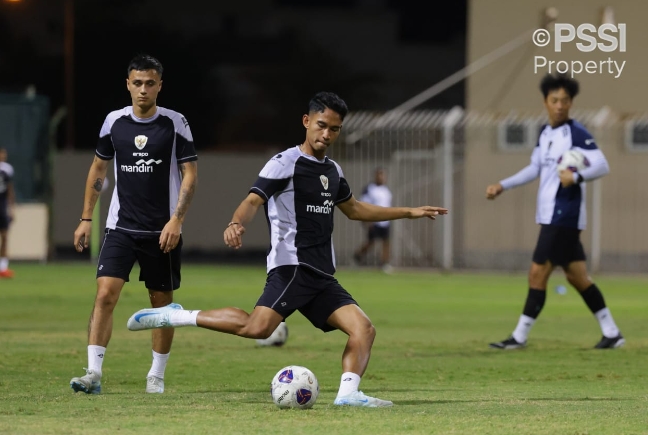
<point x="377" y="194"/>
<point x="147" y="178"/>
<point x="301" y="193"/>
<point x="557" y="205"/>
<point x="6" y="175"/>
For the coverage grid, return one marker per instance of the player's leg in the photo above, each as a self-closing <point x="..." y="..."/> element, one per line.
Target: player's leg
<point x="116" y="260"/>
<point x="161" y="274"/>
<point x="275" y="304"/>
<point x="5" y="272"/>
<point x="539" y="273"/>
<point x="386" y="249"/>
<point x="360" y="254"/>
<point x="576" y="273"/>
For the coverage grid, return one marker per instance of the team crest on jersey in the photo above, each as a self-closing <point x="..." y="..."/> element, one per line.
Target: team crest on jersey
<point x="324" y="181"/>
<point x="140" y="141"/>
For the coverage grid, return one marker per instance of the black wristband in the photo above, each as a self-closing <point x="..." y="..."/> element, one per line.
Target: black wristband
<point x="85" y="220"/>
<point x="580" y="179"/>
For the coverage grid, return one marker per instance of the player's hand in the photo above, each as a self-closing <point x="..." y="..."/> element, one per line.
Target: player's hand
<point x="82" y="236"/>
<point x="566" y="177"/>
<point x="427" y="211"/>
<point x="233" y="235"/>
<point x="493" y="190"/>
<point x="170" y="236"/>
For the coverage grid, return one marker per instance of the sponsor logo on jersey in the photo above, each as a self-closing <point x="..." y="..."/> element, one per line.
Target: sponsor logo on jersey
<point x="140" y="141"/>
<point x="324" y="181"/>
<point x="141" y="166"/>
<point x="326" y="208"/>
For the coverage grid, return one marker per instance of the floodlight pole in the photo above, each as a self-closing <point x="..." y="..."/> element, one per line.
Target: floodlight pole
<point x="449" y="123"/>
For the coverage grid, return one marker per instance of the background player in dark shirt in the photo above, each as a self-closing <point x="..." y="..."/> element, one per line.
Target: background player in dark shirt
<point x="156" y="175"/>
<point x="299" y="189"/>
<point x="7" y="202"/>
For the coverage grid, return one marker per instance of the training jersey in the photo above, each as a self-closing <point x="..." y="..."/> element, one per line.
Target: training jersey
<point x="147" y="178"/>
<point x="301" y="193"/>
<point x="557" y="205"/>
<point x="6" y="175"/>
<point x="377" y="194"/>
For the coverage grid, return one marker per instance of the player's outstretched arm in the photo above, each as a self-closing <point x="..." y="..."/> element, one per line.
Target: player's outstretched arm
<point x="493" y="190"/>
<point x="233" y="233"/>
<point x="363" y="211"/>
<point x="170" y="235"/>
<point x="94" y="184"/>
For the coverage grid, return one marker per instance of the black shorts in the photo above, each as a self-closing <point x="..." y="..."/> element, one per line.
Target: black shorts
<point x="158" y="270"/>
<point x="316" y="296"/>
<point x="376" y="232"/>
<point x="4" y="218"/>
<point x="560" y="245"/>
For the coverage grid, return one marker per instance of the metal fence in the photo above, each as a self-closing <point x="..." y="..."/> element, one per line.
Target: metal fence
<point x="447" y="158"/>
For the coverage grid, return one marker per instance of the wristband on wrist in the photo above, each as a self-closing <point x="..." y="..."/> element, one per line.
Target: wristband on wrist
<point x="85" y="220"/>
<point x="232" y="223"/>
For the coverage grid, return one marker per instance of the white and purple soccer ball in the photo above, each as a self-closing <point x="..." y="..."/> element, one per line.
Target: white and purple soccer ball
<point x="574" y="160"/>
<point x="294" y="387"/>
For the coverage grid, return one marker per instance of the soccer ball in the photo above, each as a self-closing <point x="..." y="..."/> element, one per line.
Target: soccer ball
<point x="573" y="160"/>
<point x="294" y="387"/>
<point x="277" y="338"/>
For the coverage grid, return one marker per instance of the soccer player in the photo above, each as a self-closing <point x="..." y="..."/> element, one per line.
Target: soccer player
<point x="299" y="189"/>
<point x="155" y="180"/>
<point x="377" y="193"/>
<point x="7" y="201"/>
<point x="560" y="212"/>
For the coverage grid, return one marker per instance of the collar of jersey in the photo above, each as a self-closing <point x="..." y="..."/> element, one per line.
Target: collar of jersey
<point x="145" y="120"/>
<point x="308" y="156"/>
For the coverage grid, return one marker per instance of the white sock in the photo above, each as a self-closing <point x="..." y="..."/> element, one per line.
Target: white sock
<point x="159" y="365"/>
<point x="608" y="326"/>
<point x="183" y="317"/>
<point x="523" y="328"/>
<point x="4" y="264"/>
<point x="95" y="358"/>
<point x="349" y="383"/>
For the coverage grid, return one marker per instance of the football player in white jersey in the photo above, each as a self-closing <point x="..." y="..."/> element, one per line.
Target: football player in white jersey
<point x="299" y="190"/>
<point x="377" y="193"/>
<point x="560" y="212"/>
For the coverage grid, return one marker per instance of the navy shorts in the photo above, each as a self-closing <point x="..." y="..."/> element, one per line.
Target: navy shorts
<point x="559" y="245"/>
<point x="316" y="296"/>
<point x="377" y="232"/>
<point x="158" y="270"/>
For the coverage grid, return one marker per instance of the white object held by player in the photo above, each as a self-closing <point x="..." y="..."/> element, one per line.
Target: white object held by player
<point x="573" y="160"/>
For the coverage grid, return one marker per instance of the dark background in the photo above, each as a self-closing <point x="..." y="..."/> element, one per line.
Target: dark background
<point x="242" y="73"/>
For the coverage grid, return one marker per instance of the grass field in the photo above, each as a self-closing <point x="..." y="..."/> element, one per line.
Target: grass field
<point x="430" y="358"/>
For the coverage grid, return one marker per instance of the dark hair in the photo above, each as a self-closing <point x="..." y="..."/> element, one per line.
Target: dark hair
<point x="559" y="81"/>
<point x="322" y="100"/>
<point x="144" y="62"/>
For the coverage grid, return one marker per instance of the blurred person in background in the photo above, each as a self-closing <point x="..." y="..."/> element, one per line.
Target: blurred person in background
<point x="299" y="189"/>
<point x="7" y="203"/>
<point x="560" y="212"/>
<point x="155" y="180"/>
<point x="377" y="193"/>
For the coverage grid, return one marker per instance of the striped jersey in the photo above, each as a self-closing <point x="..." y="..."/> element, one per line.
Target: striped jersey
<point x="557" y="205"/>
<point x="146" y="155"/>
<point x="301" y="193"/>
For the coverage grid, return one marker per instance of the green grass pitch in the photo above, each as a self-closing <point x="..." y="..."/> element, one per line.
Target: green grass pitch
<point x="431" y="358"/>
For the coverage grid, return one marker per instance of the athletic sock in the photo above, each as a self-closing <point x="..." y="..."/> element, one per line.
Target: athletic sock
<point x="349" y="383"/>
<point x="159" y="364"/>
<point x="96" y="358"/>
<point x="183" y="317"/>
<point x="532" y="307"/>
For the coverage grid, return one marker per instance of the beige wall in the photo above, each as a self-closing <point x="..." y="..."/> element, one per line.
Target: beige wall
<point x="510" y="82"/>
<point x="223" y="182"/>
